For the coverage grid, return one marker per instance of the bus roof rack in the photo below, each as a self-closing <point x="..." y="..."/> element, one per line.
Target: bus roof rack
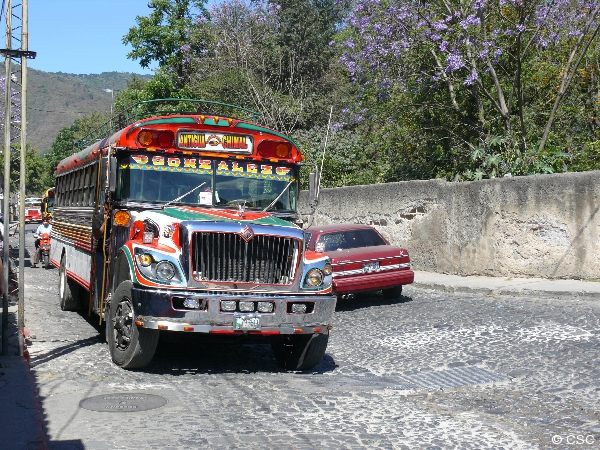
<point x="164" y="107"/>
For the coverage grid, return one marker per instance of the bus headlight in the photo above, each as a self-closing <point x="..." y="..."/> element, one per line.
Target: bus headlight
<point x="165" y="270"/>
<point x="314" y="278"/>
<point x="157" y="267"/>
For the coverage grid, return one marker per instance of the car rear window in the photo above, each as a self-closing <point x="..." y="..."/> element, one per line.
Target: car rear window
<point x="344" y="240"/>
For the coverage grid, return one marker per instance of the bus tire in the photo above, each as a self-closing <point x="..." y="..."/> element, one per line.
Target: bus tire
<point x="68" y="290"/>
<point x="300" y="352"/>
<point x="130" y="347"/>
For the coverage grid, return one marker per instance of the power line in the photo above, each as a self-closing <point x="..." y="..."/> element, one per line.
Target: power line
<point x="63" y="112"/>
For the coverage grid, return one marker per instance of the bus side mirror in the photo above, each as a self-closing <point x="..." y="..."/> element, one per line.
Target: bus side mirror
<point x="112" y="174"/>
<point x="312" y="188"/>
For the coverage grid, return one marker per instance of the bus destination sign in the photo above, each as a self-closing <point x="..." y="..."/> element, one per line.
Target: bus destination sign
<point x="237" y="143"/>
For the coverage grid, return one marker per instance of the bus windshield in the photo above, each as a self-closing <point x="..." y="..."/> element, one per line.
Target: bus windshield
<point x="202" y="181"/>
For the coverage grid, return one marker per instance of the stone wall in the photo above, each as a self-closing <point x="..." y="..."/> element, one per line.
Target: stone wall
<point x="542" y="226"/>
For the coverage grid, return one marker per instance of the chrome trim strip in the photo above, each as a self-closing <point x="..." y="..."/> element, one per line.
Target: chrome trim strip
<point x="345" y="273"/>
<point x="153" y="325"/>
<point x="369" y="260"/>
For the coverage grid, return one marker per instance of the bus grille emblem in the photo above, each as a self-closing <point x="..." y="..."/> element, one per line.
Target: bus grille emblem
<point x="247" y="233"/>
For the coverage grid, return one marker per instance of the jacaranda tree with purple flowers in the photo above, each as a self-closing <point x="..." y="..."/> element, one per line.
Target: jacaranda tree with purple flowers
<point x="459" y="81"/>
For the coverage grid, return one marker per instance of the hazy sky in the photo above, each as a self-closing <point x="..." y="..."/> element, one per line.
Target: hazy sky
<point x="82" y="36"/>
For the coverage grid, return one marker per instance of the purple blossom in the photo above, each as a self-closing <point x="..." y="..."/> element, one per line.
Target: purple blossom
<point x="470" y="21"/>
<point x="439" y="26"/>
<point x="385" y="39"/>
<point x="338" y="126"/>
<point x="455" y="62"/>
<point x="471" y="79"/>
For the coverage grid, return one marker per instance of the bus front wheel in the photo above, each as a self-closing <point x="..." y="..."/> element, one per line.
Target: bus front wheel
<point x="130" y="347"/>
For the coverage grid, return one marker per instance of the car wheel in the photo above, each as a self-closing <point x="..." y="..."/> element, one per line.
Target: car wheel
<point x="394" y="292"/>
<point x="300" y="352"/>
<point x="131" y="347"/>
<point x="68" y="290"/>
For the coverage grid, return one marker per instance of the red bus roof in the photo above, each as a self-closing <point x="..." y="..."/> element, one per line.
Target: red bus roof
<point x="265" y="143"/>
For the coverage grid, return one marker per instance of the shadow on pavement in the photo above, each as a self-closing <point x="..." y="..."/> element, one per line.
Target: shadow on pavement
<point x="22" y="418"/>
<point x="358" y="301"/>
<point x="187" y="354"/>
<point x="64" y="350"/>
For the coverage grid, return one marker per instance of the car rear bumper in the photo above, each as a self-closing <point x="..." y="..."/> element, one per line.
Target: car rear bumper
<point x="372" y="281"/>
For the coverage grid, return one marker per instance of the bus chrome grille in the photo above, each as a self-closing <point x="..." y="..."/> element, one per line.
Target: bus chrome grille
<point x="226" y="257"/>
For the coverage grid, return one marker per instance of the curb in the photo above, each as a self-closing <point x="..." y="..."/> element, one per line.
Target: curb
<point x="519" y="292"/>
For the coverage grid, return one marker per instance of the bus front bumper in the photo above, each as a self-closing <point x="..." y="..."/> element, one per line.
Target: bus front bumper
<point x="163" y="310"/>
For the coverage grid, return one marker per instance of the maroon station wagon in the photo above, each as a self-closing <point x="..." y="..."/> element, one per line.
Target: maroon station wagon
<point x="362" y="259"/>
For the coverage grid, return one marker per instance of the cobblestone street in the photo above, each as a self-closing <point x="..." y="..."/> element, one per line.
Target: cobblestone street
<point x="432" y="370"/>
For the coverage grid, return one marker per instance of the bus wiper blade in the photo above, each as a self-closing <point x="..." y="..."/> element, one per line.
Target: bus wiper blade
<point x="278" y="197"/>
<point x="181" y="196"/>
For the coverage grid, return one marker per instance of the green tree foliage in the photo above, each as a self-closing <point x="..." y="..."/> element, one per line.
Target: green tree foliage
<point x="273" y="57"/>
<point x="459" y="82"/>
<point x="416" y="90"/>
<point x="159" y="36"/>
<point x="65" y="144"/>
<point x="35" y="168"/>
<point x="345" y="157"/>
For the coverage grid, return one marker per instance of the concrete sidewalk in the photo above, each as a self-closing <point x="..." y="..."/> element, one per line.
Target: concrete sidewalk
<point x="21" y="417"/>
<point x="537" y="287"/>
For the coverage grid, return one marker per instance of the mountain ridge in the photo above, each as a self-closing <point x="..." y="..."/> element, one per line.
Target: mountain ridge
<point x="56" y="99"/>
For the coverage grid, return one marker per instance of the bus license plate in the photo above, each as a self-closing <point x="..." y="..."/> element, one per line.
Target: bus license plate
<point x="371" y="267"/>
<point x="246" y="323"/>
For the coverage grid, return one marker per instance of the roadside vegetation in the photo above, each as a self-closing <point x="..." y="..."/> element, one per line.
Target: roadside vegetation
<point x="399" y="90"/>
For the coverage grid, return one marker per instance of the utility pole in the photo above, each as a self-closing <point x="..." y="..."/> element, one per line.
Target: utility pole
<point x="22" y="53"/>
<point x="6" y="191"/>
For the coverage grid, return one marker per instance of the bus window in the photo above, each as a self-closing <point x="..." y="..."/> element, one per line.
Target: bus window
<point x="158" y="179"/>
<point x="148" y="183"/>
<point x="257" y="191"/>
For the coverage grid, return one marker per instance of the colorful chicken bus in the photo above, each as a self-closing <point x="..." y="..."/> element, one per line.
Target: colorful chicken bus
<point x="200" y="235"/>
<point x="48" y="203"/>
